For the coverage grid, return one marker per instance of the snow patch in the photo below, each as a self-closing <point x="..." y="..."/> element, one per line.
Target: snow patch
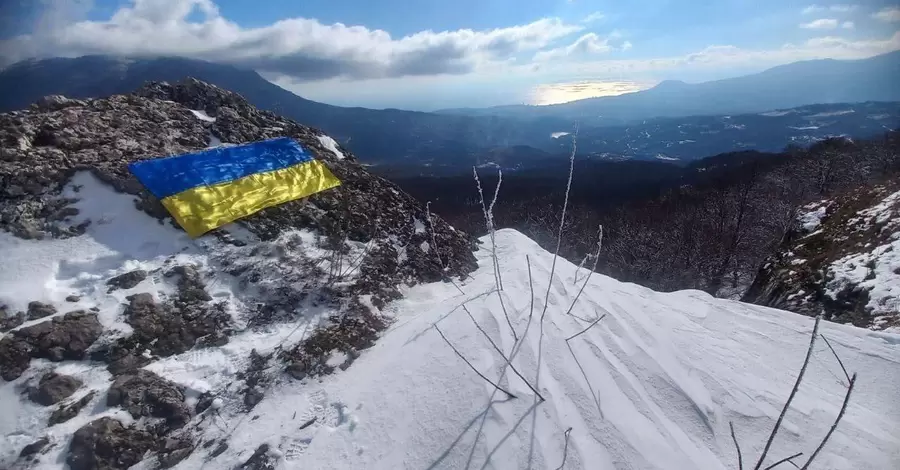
<point x="810" y="216"/>
<point x="331" y="145"/>
<point x="201" y="115"/>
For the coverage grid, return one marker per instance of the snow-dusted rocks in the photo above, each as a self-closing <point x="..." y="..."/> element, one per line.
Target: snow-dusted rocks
<point x="842" y="259"/>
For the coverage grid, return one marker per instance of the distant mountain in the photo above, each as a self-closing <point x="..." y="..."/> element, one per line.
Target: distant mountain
<point x="377" y="136"/>
<point x="407" y="141"/>
<point x="787" y="86"/>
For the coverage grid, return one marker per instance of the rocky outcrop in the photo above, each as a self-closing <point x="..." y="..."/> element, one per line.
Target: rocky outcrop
<point x="841" y="259"/>
<point x="106" y="444"/>
<point x="145" y="394"/>
<point x="45" y="144"/>
<point x="67" y="412"/>
<point x="164" y="329"/>
<point x="66" y="337"/>
<point x="37" y="310"/>
<point x="127" y="280"/>
<point x="8" y="320"/>
<point x="53" y="388"/>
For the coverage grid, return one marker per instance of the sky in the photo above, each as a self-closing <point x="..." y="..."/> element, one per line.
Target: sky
<point x="434" y="54"/>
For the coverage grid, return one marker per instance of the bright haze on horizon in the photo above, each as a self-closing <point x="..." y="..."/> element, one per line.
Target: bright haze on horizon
<point x="435" y="54"/>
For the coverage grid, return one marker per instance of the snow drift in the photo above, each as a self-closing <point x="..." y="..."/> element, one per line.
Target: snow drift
<point x="653" y="385"/>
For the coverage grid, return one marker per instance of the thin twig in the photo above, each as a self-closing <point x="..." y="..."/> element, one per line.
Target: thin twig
<point x="836" y="357"/>
<point x="786" y="459"/>
<point x="565" y="449"/>
<point x="588" y="327"/>
<point x="787" y="404"/>
<point x="489" y="221"/>
<point x="531" y="289"/>
<point x="499" y="351"/>
<point x="593" y="268"/>
<point x="434" y="244"/>
<point x="562" y="222"/>
<point x="836" y="421"/>
<point x="508" y="394"/>
<point x="736" y="446"/>
<point x="491" y="214"/>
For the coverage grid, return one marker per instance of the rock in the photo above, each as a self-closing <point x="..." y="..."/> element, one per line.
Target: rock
<point x="219" y="450"/>
<point x="38" y="310"/>
<point x="106" y="444"/>
<point x="191" y="287"/>
<point x="55" y="103"/>
<point x="127" y="280"/>
<point x="34" y="447"/>
<point x="66" y="337"/>
<point x="252" y="397"/>
<point x="15" y="355"/>
<point x="174" y="451"/>
<point x="9" y="321"/>
<point x="53" y="388"/>
<point x="143" y="393"/>
<point x="165" y="329"/>
<point x="65" y="413"/>
<point x="73" y="298"/>
<point x="260" y="460"/>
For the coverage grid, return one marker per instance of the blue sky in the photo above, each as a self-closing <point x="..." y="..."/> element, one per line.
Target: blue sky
<point x="430" y="54"/>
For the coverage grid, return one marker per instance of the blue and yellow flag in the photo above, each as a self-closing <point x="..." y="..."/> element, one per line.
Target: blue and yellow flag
<point x="208" y="189"/>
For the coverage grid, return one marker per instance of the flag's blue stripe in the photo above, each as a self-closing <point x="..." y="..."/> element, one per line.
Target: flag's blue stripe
<point x="165" y="177"/>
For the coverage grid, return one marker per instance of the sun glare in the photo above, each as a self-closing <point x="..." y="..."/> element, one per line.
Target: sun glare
<point x="564" y="92"/>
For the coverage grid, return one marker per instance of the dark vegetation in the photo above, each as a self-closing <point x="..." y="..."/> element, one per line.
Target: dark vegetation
<point x="706" y="226"/>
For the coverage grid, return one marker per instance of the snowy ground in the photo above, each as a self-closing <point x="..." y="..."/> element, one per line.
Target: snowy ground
<point x="651" y="386"/>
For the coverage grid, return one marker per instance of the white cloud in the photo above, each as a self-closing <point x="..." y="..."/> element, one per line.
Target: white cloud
<point x="298" y="47"/>
<point x="832" y="8"/>
<point x="626" y="45"/>
<point x="890" y="15"/>
<point x="595" y="16"/>
<point x="823" y="23"/>
<point x="848" y="25"/>
<point x="587" y="45"/>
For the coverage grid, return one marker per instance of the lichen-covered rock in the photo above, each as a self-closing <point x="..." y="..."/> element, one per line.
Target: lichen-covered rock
<point x="106" y="444"/>
<point x="53" y="388"/>
<point x="145" y="394"/>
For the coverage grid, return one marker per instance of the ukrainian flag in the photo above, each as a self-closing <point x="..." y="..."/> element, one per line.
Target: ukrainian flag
<point x="208" y="189"/>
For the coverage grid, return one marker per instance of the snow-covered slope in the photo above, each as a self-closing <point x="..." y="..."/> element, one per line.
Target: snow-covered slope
<point x="653" y="385"/>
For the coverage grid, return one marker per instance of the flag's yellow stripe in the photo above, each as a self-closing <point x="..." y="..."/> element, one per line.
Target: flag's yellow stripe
<point x="201" y="209"/>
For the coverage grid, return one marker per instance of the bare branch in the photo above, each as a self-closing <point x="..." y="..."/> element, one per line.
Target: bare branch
<point x="499" y="351"/>
<point x="508" y="394"/>
<point x="531" y="288"/>
<point x="489" y="221"/>
<point x="565" y="449"/>
<point x="787" y="404"/>
<point x="601" y="317"/>
<point x="562" y="222"/>
<point x="836" y="357"/>
<point x="490" y="212"/>
<point x="836" y="421"/>
<point x="593" y="268"/>
<point x="786" y="459"/>
<point x="736" y="446"/>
